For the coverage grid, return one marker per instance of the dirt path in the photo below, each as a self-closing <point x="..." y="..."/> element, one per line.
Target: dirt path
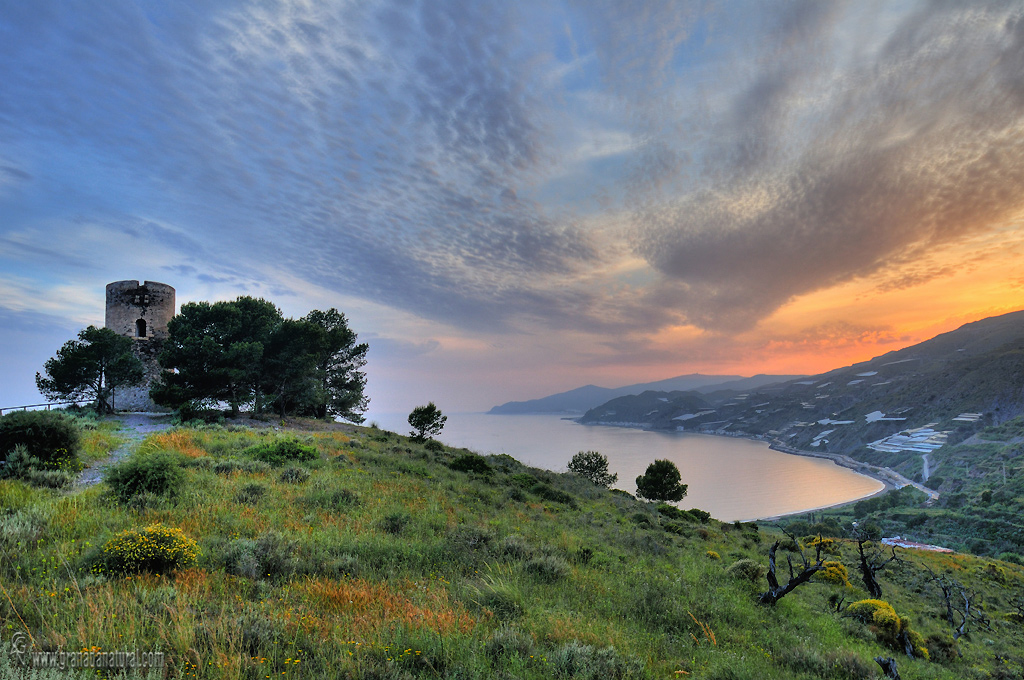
<point x="135" y="427"/>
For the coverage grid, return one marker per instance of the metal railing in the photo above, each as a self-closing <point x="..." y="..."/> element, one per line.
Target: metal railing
<point x="46" y="405"/>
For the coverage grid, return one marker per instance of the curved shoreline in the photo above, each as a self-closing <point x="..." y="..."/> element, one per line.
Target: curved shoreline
<point x="889" y="478"/>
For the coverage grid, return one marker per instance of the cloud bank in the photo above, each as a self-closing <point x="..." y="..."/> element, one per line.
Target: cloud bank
<point x="603" y="167"/>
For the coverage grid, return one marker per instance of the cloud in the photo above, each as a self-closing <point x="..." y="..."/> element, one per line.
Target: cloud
<point x="451" y="159"/>
<point x="920" y="147"/>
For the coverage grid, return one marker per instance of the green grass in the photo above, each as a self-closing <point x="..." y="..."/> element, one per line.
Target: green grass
<point x="384" y="559"/>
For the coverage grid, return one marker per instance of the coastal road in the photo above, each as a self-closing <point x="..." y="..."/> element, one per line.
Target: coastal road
<point x="883" y="474"/>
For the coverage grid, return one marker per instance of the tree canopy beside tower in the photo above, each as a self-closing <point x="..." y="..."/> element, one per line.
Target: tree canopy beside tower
<point x="245" y="353"/>
<point x="91" y="367"/>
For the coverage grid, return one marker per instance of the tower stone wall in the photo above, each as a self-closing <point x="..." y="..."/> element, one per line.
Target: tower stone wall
<point x="140" y="312"/>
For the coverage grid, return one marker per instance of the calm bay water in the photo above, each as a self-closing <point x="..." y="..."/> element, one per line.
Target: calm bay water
<point x="730" y="478"/>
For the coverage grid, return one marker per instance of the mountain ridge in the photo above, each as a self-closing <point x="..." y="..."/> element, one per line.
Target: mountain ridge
<point x="582" y="399"/>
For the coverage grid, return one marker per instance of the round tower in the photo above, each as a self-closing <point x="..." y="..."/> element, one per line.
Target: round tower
<point x="139" y="311"/>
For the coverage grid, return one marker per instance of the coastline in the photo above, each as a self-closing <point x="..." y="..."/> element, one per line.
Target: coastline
<point x="889" y="478"/>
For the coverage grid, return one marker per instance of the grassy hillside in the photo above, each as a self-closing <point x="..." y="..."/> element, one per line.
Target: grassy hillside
<point x="371" y="556"/>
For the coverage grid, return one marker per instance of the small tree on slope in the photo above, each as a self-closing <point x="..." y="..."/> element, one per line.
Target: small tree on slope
<point x="426" y="421"/>
<point x="660" y="482"/>
<point x="593" y="466"/>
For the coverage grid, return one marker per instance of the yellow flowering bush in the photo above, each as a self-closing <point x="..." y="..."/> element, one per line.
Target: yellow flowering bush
<point x="890" y="628"/>
<point x="155" y="548"/>
<point x="834" y="573"/>
<point x="712" y="555"/>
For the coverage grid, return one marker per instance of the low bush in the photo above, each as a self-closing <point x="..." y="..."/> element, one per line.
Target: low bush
<point x="890" y="628"/>
<point x="501" y="598"/>
<point x="470" y="462"/>
<point x="269" y="556"/>
<point x="585" y="662"/>
<point x="515" y="548"/>
<point x="395" y="522"/>
<point x="549" y="493"/>
<point x="155" y="548"/>
<point x="839" y="664"/>
<point x="158" y="473"/>
<point x="251" y="493"/>
<point x="747" y="570"/>
<point x="331" y="500"/>
<point x="51" y="437"/>
<point x="29" y="469"/>
<point x="507" y="642"/>
<point x="294" y="475"/>
<point x="834" y="573"/>
<point x="281" y="451"/>
<point x="467" y="537"/>
<point x="671" y="511"/>
<point x="230" y="466"/>
<point x="548" y="569"/>
<point x="21" y="528"/>
<point x="699" y="515"/>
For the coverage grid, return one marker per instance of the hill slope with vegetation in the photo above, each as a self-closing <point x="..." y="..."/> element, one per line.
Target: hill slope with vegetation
<point x="342" y="551"/>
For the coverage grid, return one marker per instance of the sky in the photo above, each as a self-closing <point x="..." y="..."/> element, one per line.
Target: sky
<point x="511" y="199"/>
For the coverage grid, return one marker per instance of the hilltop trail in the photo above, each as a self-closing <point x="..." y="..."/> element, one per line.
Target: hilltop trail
<point x="135" y="427"/>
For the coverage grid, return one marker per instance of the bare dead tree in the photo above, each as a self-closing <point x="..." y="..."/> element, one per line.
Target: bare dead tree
<point x="871" y="563"/>
<point x="888" y="667"/>
<point x="963" y="605"/>
<point x="776" y="591"/>
<point x="1018" y="604"/>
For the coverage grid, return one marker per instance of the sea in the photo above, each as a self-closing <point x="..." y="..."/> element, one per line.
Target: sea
<point x="730" y="477"/>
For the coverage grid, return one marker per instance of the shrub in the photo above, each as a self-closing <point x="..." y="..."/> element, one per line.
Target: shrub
<point x="395" y="522"/>
<point x="49" y="436"/>
<point x="508" y="642"/>
<point x="232" y="465"/>
<point x="712" y="555"/>
<point x="523" y="480"/>
<point x="21" y="528"/>
<point x="699" y="515"/>
<point x="281" y="451"/>
<point x="942" y="648"/>
<point x="552" y="494"/>
<point x="251" y="493"/>
<point x="157" y="473"/>
<point x="746" y="569"/>
<point x="677" y="528"/>
<point x="640" y="519"/>
<point x="468" y="537"/>
<point x="576" y="660"/>
<point x="515" y="548"/>
<point x="834" y="573"/>
<point x="838" y="664"/>
<point x="672" y="512"/>
<point x="500" y="598"/>
<point x="294" y="475"/>
<point x="890" y="628"/>
<point x="29" y="469"/>
<point x="470" y="462"/>
<point x="271" y="555"/>
<point x="548" y="569"/>
<point x="156" y="548"/>
<point x="332" y="500"/>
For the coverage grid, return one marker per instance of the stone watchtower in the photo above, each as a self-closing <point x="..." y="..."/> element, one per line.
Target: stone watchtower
<point x="140" y="312"/>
